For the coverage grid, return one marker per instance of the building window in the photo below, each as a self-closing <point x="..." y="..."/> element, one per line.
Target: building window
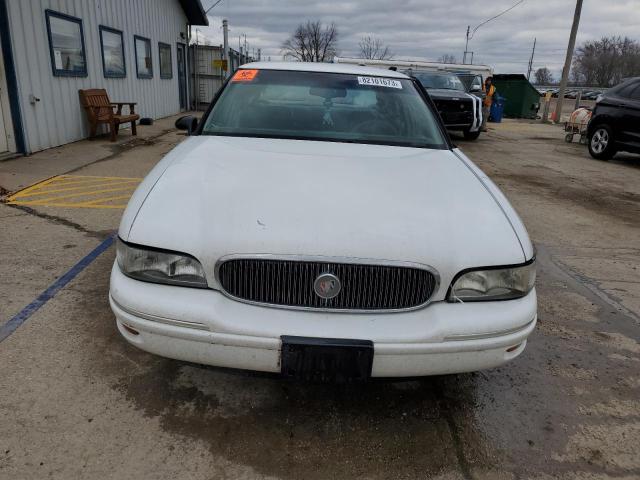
<point x="66" y="45"/>
<point x="166" y="70"/>
<point x="112" y="44"/>
<point x="144" y="67"/>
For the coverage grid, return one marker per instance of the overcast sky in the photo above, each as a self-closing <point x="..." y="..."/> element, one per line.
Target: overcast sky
<point x="427" y="29"/>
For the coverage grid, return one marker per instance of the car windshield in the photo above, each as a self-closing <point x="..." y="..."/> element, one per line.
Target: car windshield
<point x="438" y="80"/>
<point x="324" y="106"/>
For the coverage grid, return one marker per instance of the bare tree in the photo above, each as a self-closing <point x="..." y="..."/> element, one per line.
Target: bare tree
<point x="312" y="42"/>
<point x="447" y="58"/>
<point x="371" y="48"/>
<point x="543" y="76"/>
<point x="606" y="62"/>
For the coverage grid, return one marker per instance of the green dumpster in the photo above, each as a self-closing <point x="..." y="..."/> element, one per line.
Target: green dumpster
<point x="522" y="99"/>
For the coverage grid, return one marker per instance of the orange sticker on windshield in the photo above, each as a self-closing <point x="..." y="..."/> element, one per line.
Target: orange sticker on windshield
<point x="244" y="75"/>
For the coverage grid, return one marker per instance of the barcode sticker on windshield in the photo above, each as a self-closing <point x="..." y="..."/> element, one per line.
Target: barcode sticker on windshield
<point x="379" y="82"/>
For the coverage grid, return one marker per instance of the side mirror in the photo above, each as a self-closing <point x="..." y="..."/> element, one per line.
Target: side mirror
<point x="188" y="123"/>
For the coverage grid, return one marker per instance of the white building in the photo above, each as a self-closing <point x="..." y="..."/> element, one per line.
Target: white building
<point x="50" y="49"/>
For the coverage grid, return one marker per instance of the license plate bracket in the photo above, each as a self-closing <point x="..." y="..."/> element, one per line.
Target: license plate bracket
<point x="326" y="359"/>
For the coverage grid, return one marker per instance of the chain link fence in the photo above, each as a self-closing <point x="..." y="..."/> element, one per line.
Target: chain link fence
<point x="207" y="75"/>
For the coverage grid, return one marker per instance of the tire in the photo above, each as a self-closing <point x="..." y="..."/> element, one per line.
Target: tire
<point x="601" y="143"/>
<point x="471" y="135"/>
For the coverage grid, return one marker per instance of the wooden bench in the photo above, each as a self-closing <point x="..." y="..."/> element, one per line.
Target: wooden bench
<point x="100" y="110"/>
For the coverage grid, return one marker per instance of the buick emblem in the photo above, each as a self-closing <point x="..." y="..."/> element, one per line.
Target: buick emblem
<point x="327" y="286"/>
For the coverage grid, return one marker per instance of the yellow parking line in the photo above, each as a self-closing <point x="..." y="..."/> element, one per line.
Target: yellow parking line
<point x="84" y="188"/>
<point x="74" y="195"/>
<point x="31" y="188"/>
<point x="73" y="205"/>
<point x="90" y="191"/>
<point x="87" y="183"/>
<point x="102" y="200"/>
<point x="68" y="179"/>
<point x="98" y="177"/>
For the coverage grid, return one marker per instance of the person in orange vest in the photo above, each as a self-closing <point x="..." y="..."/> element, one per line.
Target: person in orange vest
<point x="489" y="91"/>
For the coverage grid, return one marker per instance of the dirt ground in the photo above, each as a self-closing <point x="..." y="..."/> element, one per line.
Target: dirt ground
<point x="76" y="401"/>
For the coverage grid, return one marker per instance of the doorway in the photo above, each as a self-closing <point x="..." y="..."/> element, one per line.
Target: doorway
<point x="7" y="143"/>
<point x="4" y="145"/>
<point x="182" y="75"/>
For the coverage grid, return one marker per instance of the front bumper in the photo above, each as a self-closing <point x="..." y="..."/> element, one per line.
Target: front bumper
<point x="204" y="326"/>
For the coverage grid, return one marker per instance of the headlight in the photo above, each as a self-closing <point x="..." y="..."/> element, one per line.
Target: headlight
<point x="157" y="266"/>
<point x="493" y="283"/>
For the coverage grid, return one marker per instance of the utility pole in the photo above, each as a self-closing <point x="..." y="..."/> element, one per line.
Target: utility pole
<point x="531" y="59"/>
<point x="246" y="52"/>
<point x="567" y="61"/>
<point x="259" y="54"/>
<point x="196" y="68"/>
<point x="466" y="47"/>
<point x="225" y="34"/>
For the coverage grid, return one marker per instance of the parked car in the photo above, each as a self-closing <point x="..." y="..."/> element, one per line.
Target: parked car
<point x="460" y="111"/>
<point x="318" y="223"/>
<point x="591" y="95"/>
<point x="472" y="83"/>
<point x="615" y="124"/>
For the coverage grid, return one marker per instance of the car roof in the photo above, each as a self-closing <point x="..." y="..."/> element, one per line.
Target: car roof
<point x="325" y="67"/>
<point x="430" y="72"/>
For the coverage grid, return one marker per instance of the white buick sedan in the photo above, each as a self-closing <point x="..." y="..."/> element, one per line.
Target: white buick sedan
<point x="319" y="223"/>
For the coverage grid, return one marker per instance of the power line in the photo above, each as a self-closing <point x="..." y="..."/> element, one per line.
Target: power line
<point x="493" y="18"/>
<point x="211" y="7"/>
<point x="466" y="47"/>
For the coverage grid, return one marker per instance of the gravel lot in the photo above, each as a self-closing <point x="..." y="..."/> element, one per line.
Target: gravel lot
<point x="76" y="401"/>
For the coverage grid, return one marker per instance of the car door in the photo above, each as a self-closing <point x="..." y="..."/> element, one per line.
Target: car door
<point x="631" y="118"/>
<point x="618" y="106"/>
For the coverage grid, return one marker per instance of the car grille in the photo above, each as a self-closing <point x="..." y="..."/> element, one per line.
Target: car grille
<point x="457" y="106"/>
<point x="290" y="283"/>
<point x="455" y="118"/>
<point x="455" y="112"/>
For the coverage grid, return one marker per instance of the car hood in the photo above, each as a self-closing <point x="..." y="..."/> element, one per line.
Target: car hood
<point x="216" y="196"/>
<point x="444" y="94"/>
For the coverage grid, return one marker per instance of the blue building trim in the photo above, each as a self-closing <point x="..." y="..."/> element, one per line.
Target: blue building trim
<point x="12" y="79"/>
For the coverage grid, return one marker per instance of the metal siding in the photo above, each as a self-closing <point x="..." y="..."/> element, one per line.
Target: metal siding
<point x="58" y="118"/>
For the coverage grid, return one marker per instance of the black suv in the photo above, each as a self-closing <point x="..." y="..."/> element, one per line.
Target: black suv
<point x="615" y="124"/>
<point x="458" y="109"/>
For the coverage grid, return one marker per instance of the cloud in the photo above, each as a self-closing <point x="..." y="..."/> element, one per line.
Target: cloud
<point x="428" y="29"/>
